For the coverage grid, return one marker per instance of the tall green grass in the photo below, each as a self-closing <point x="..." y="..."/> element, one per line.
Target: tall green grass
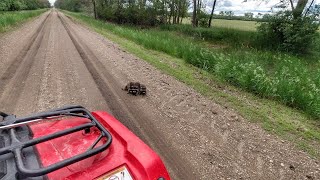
<point x="230" y="36"/>
<point x="229" y="24"/>
<point x="10" y="19"/>
<point x="277" y="76"/>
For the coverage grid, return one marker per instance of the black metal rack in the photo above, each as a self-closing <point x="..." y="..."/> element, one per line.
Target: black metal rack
<point x="16" y="146"/>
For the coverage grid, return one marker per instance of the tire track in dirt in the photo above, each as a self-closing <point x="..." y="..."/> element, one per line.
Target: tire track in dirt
<point x="18" y="71"/>
<point x="129" y="116"/>
<point x="222" y="135"/>
<point x="48" y="96"/>
<point x="227" y="138"/>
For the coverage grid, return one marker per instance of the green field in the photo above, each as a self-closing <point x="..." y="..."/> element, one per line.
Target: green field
<point x="233" y="24"/>
<point x="11" y="19"/>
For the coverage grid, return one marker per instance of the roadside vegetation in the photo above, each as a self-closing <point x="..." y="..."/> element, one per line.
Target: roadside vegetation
<point x="18" y="5"/>
<point x="218" y="35"/>
<point x="276" y="63"/>
<point x="14" y="12"/>
<point x="11" y="19"/>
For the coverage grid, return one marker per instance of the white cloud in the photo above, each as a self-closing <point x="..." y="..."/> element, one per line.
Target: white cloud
<point x="227" y="3"/>
<point x="239" y="7"/>
<point x="52" y="1"/>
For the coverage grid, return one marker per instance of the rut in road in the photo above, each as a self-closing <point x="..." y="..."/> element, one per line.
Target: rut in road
<point x="126" y="112"/>
<point x="19" y="69"/>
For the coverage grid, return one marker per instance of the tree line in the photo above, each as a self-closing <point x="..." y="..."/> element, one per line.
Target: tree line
<point x="16" y="5"/>
<point x="136" y="12"/>
<point x="294" y="29"/>
<point x="155" y="12"/>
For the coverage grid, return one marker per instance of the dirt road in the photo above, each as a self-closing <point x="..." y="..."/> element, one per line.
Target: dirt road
<point x="53" y="61"/>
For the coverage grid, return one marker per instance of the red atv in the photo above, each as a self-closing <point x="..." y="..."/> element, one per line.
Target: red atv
<point x="72" y="143"/>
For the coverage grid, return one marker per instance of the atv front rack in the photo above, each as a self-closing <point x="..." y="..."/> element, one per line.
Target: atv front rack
<point x="11" y="123"/>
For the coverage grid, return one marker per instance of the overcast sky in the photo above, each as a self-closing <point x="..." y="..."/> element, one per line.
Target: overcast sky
<point x="52" y="1"/>
<point x="239" y="7"/>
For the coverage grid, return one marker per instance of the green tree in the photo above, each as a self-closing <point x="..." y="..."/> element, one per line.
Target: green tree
<point x="16" y="5"/>
<point x="137" y="12"/>
<point x="288" y="33"/>
<point x="248" y="16"/>
<point x="212" y="11"/>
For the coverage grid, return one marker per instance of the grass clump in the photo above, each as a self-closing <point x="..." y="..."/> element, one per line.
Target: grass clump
<point x="10" y="19"/>
<point x="277" y="76"/>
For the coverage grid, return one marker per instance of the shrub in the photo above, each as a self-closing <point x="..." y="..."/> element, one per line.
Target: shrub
<point x="285" y="33"/>
<point x="203" y="19"/>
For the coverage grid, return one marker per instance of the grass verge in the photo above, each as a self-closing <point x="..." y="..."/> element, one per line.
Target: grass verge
<point x="10" y="19"/>
<point x="288" y="123"/>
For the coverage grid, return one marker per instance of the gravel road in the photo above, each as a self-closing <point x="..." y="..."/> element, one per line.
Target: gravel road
<point x="54" y="61"/>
